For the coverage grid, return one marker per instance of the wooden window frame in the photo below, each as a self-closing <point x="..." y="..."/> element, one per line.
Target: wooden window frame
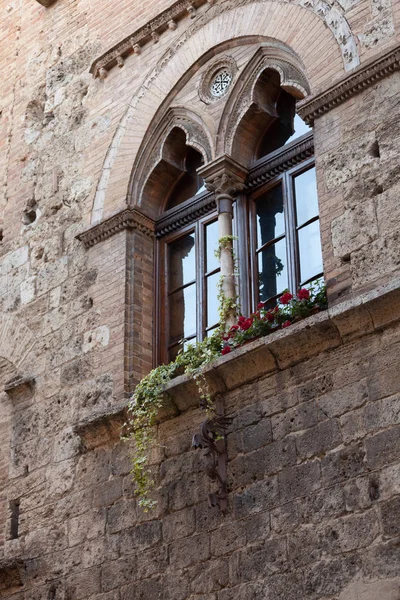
<point x="286" y="180"/>
<point x="281" y="165"/>
<point x="162" y="315"/>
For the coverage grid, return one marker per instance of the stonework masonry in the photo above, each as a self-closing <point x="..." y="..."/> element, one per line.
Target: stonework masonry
<point x="314" y="445"/>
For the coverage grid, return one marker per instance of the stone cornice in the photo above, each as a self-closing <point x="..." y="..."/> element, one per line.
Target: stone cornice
<point x="130" y="218"/>
<point x="133" y="44"/>
<point x="363" y="77"/>
<point x="281" y="160"/>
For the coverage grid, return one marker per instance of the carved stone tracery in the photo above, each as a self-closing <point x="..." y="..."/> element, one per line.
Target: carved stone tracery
<point x="276" y="57"/>
<point x="152" y="152"/>
<point x="222" y="62"/>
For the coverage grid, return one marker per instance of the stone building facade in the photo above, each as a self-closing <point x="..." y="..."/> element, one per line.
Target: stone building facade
<point x="91" y="93"/>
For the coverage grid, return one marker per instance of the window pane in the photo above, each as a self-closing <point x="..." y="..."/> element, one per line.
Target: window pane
<point x="212" y="302"/>
<point x="182" y="264"/>
<point x="182" y="313"/>
<point x="300" y="128"/>
<point x="310" y="251"/>
<point x="272" y="270"/>
<point x="212" y="261"/>
<point x="270" y="217"/>
<point x="305" y="187"/>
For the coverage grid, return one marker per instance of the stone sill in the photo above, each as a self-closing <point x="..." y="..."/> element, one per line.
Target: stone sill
<point x="327" y="330"/>
<point x="102" y="427"/>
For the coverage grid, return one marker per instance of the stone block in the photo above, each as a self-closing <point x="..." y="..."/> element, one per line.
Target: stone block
<point x="357" y="530"/>
<point x="209" y="577"/>
<point x="383" y="448"/>
<point x="97" y="338"/>
<point x="260" y="562"/>
<point x="302" y="416"/>
<point x="390" y="515"/>
<point x="322" y="505"/>
<point x="361" y="492"/>
<point x="148" y="589"/>
<point x="179" y="524"/>
<point x="262" y="495"/>
<point x="327" y="578"/>
<point x="140" y="537"/>
<point x="299" y="481"/>
<point x="151" y="562"/>
<point x="257" y="435"/>
<point x="66" y="445"/>
<point x="250" y="415"/>
<point x="107" y="492"/>
<point x="356" y="227"/>
<point x="285" y="518"/>
<point x="121" y="515"/>
<point x="227" y="538"/>
<point x="176" y="586"/>
<point x="389" y="480"/>
<point x="118" y="573"/>
<point x="340" y="401"/>
<point x="319" y="439"/>
<point x="304" y="546"/>
<point x="382" y="560"/>
<point x="314" y="388"/>
<point x="28" y="290"/>
<point x="86" y="526"/>
<point x="343" y="464"/>
<point x="288" y="586"/>
<point x="189" y="551"/>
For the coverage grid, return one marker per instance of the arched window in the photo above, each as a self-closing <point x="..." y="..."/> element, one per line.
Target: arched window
<point x="276" y="223"/>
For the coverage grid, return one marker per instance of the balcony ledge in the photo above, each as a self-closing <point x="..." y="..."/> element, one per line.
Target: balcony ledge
<point x="327" y="330"/>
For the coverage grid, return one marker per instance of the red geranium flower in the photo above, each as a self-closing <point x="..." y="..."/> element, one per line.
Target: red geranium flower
<point x="286" y="324"/>
<point x="260" y="305"/>
<point x="241" y="319"/>
<point x="246" y="324"/>
<point x="226" y="350"/>
<point x="285" y="298"/>
<point x="234" y="328"/>
<point x="270" y="316"/>
<point x="303" y="294"/>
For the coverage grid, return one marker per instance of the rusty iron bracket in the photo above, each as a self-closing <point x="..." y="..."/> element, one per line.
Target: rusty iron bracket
<point x="212" y="438"/>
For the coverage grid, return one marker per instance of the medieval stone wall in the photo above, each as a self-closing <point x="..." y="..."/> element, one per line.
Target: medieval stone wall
<point x="314" y="449"/>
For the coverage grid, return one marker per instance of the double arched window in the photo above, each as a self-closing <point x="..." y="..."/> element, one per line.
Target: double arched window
<point x="275" y="213"/>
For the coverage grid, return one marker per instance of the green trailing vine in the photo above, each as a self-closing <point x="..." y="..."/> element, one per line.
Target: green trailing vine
<point x="149" y="395"/>
<point x="226" y="306"/>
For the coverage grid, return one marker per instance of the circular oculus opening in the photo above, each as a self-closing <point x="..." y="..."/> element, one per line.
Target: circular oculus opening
<point x="221" y="83"/>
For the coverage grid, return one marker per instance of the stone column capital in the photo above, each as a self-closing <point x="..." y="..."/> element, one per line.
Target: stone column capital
<point x="226" y="178"/>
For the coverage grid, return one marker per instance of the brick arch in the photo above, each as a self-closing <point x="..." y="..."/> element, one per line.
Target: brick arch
<point x="305" y="30"/>
<point x="16" y="341"/>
